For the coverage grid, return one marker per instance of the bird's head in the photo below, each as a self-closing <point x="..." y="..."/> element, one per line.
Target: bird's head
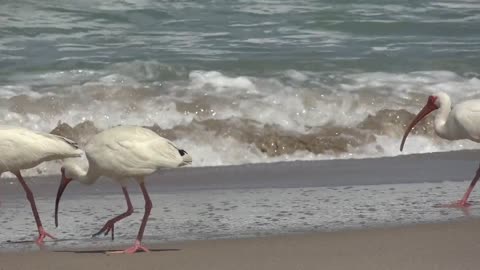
<point x="434" y="102"/>
<point x="65" y="180"/>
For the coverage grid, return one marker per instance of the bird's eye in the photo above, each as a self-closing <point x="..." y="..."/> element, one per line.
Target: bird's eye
<point x="182" y="152"/>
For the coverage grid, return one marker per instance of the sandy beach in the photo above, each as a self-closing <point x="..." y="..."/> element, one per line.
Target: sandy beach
<point x="428" y="246"/>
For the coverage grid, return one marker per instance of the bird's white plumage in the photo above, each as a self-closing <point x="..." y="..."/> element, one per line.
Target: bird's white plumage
<point x="124" y="152"/>
<point x="461" y="121"/>
<point x="452" y="123"/>
<point x="21" y="148"/>
<point x="128" y="151"/>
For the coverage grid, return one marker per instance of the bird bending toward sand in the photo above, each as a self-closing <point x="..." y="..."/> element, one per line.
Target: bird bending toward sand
<point x="121" y="153"/>
<point x="24" y="149"/>
<point x="457" y="123"/>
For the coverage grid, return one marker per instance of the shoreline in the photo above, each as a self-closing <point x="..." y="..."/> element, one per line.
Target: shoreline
<point x="450" y="245"/>
<point x="259" y="199"/>
<point x="305" y="173"/>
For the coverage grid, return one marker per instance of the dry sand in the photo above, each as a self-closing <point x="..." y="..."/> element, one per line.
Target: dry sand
<point x="426" y="246"/>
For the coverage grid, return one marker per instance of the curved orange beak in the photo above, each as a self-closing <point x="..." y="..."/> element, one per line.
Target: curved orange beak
<point x="428" y="108"/>
<point x="63" y="184"/>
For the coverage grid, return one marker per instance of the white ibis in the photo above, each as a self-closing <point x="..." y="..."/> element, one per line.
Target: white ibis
<point x="457" y="123"/>
<point x="121" y="153"/>
<point x="21" y="148"/>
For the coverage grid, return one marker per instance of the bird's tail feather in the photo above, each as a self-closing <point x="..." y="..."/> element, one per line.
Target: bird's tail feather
<point x="186" y="158"/>
<point x="70" y="142"/>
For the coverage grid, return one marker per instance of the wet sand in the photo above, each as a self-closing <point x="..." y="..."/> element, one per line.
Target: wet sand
<point x="339" y="214"/>
<point x="428" y="246"/>
<point x="248" y="200"/>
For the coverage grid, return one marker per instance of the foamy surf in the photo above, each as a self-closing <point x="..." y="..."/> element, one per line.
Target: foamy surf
<point x="227" y="119"/>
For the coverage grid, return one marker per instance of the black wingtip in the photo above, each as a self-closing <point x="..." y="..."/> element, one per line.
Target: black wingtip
<point x="72" y="143"/>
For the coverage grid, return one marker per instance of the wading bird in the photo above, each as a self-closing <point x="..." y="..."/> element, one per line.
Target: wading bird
<point x="24" y="149"/>
<point x="121" y="153"/>
<point x="457" y="123"/>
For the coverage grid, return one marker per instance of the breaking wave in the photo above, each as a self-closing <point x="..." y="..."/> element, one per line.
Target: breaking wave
<point x="224" y="119"/>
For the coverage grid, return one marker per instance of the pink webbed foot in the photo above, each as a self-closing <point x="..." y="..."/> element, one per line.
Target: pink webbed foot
<point x="133" y="249"/>
<point x="457" y="204"/>
<point x="42" y="235"/>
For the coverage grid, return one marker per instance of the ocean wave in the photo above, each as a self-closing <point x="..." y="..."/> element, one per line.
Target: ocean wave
<point x="227" y="118"/>
<point x="274" y="140"/>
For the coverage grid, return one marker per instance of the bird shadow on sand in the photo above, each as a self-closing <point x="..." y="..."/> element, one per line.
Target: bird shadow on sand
<point x="104" y="251"/>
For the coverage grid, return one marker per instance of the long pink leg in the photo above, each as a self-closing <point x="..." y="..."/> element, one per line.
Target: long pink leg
<point x="463" y="203"/>
<point x="109" y="225"/>
<point x="42" y="233"/>
<point x="138" y="242"/>
<point x="464" y="200"/>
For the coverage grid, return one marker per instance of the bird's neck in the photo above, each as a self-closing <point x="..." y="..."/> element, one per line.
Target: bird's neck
<point x="441" y="121"/>
<point x="86" y="177"/>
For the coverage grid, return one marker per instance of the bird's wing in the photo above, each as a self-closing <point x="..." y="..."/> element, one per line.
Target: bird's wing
<point x="467" y="119"/>
<point x="46" y="142"/>
<point x="132" y="151"/>
<point x="22" y="148"/>
<point x="25" y="135"/>
<point x="70" y="142"/>
<point x="156" y="152"/>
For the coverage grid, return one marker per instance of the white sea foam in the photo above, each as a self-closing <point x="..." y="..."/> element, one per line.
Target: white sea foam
<point x="287" y="104"/>
<point x="200" y="80"/>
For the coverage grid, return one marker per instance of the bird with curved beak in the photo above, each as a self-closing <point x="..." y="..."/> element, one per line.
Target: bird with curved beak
<point x="427" y="109"/>
<point x="22" y="149"/>
<point x="457" y="123"/>
<point x="121" y="153"/>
